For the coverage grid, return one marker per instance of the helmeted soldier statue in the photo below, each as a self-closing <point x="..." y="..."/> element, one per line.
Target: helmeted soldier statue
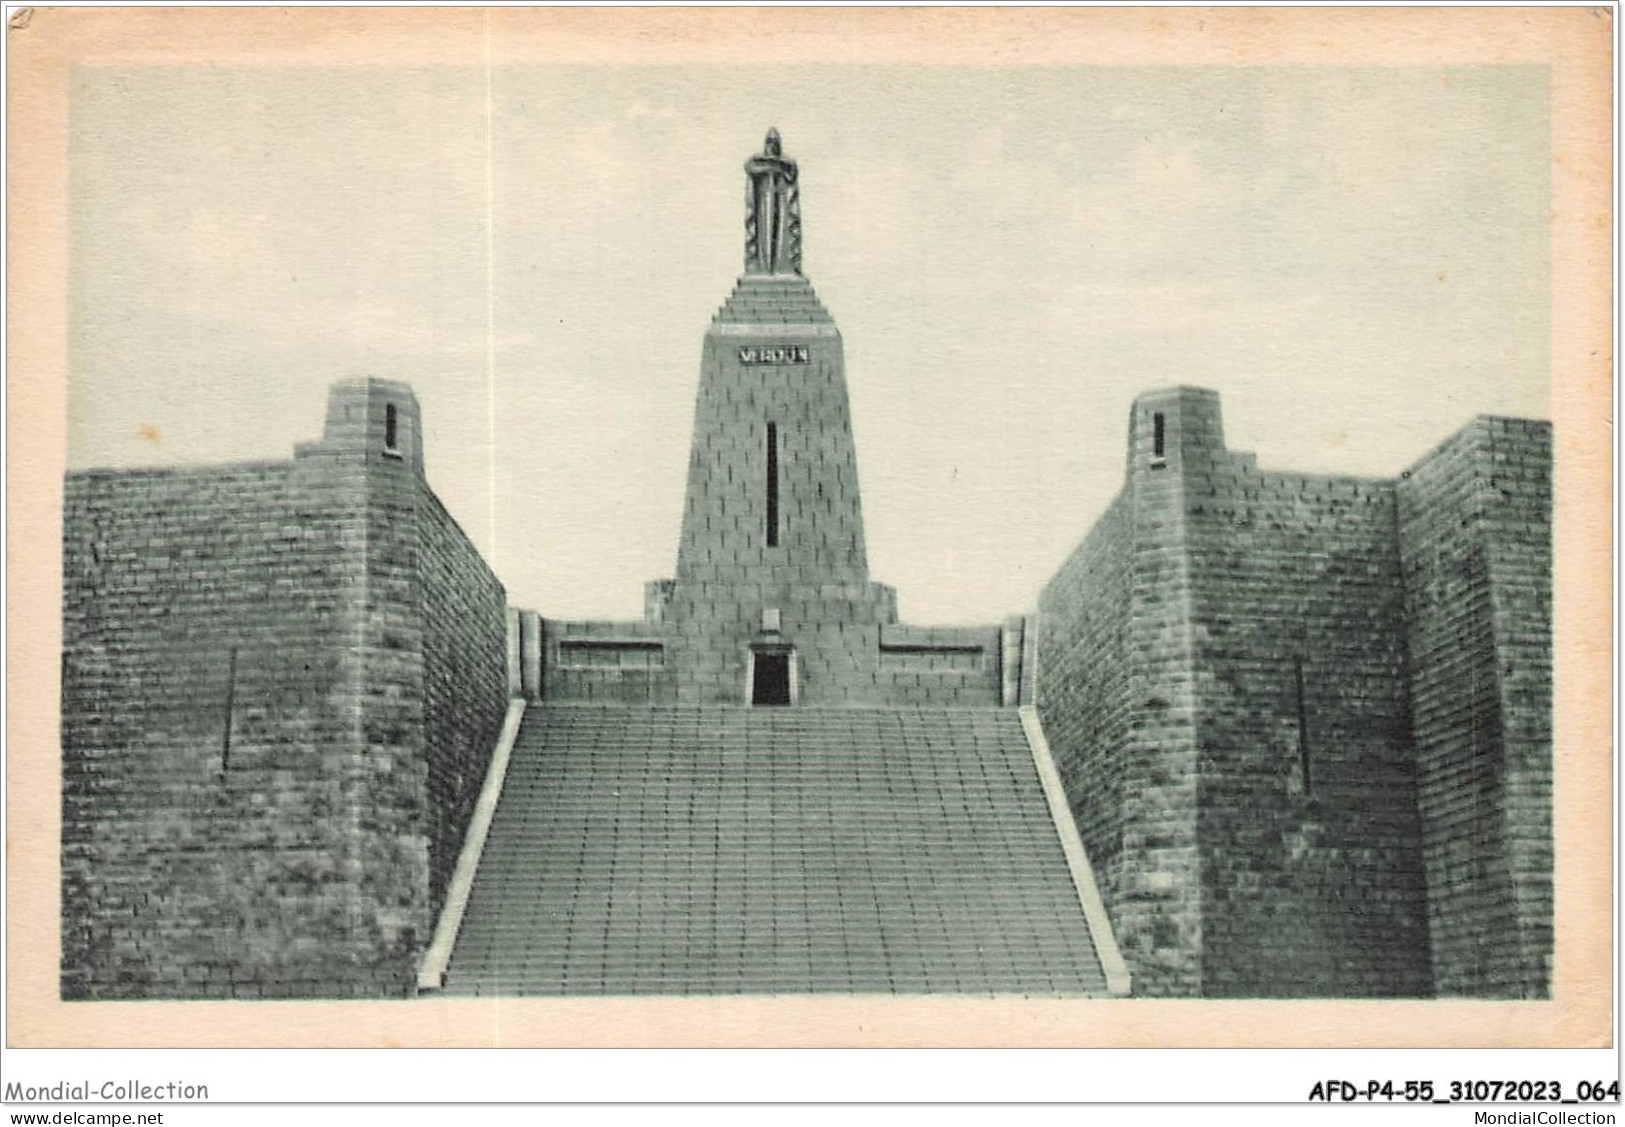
<point x="772" y="211"/>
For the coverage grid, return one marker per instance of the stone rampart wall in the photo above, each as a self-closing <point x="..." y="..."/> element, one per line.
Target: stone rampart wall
<point x="1312" y="876"/>
<point x="1084" y="688"/>
<point x="211" y="701"/>
<point x="1304" y="720"/>
<point x="281" y="685"/>
<point x="1475" y="515"/>
<point x="465" y="697"/>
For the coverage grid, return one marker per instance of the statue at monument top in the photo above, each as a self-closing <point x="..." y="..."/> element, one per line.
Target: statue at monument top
<point x="772" y="211"/>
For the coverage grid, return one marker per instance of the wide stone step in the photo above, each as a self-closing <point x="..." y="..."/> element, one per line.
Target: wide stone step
<point x="684" y="849"/>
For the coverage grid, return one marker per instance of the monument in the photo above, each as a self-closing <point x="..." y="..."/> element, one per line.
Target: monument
<point x="772" y="211"/>
<point x="827" y="800"/>
<point x="1302" y="721"/>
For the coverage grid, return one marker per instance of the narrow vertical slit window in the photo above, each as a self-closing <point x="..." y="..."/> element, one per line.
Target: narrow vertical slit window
<point x="1156" y="435"/>
<point x="231" y="708"/>
<point x="1303" y="728"/>
<point x="772" y="485"/>
<point x="389" y="426"/>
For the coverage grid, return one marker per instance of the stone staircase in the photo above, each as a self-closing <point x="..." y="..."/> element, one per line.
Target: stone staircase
<point x="731" y="850"/>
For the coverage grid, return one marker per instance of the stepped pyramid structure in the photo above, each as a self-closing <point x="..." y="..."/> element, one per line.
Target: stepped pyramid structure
<point x="1301" y="723"/>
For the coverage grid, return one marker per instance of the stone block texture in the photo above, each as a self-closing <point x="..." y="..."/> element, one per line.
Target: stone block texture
<point x="606" y="662"/>
<point x="463" y="610"/>
<point x="281" y="683"/>
<point x="772" y="518"/>
<point x="1116" y="693"/>
<point x="678" y="849"/>
<point x="1234" y="679"/>
<point x="1475" y="520"/>
<point x="771" y="553"/>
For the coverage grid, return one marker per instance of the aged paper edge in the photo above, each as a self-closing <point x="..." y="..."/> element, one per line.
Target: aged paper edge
<point x="1574" y="42"/>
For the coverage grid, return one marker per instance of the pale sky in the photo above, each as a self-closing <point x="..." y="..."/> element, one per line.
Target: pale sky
<point x="1357" y="260"/>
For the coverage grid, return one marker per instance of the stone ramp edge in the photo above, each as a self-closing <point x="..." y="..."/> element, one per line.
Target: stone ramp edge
<point x="1118" y="983"/>
<point x="432" y="972"/>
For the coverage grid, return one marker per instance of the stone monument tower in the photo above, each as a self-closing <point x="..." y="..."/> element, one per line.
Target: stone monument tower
<point x="772" y="601"/>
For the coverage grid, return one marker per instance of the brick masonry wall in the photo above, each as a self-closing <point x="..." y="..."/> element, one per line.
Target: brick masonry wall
<point x="816" y="574"/>
<point x="1116" y="690"/>
<point x="773" y="533"/>
<point x="1475" y="518"/>
<point x="393" y="828"/>
<point x="941" y="666"/>
<point x="1310" y="837"/>
<point x="300" y="860"/>
<point x="606" y="662"/>
<point x="1256" y="838"/>
<point x="1084" y="696"/>
<point x="184" y="863"/>
<point x="464" y="612"/>
<point x="630" y="663"/>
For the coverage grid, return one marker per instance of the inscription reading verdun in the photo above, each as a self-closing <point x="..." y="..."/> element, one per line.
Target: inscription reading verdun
<point x="779" y="354"/>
